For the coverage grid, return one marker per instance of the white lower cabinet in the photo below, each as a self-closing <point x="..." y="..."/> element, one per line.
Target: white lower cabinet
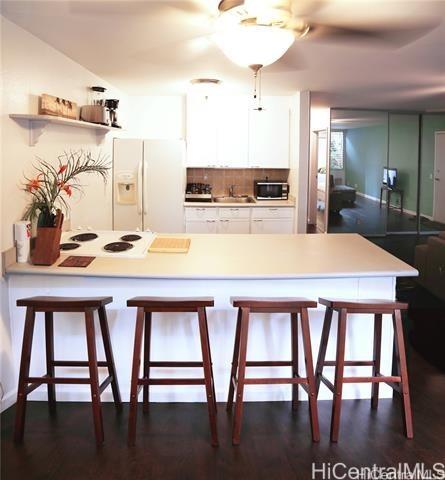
<point x="239" y="220"/>
<point x="233" y="226"/>
<point x="201" y="226"/>
<point x="266" y="225"/>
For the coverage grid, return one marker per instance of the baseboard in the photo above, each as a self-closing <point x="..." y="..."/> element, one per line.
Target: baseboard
<point x="8" y="400"/>
<point x="410" y="212"/>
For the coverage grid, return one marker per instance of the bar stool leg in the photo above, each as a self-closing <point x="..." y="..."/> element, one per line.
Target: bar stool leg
<point x="339" y="368"/>
<point x="211" y="363"/>
<point x="23" y="375"/>
<point x="404" y="385"/>
<point x="50" y="370"/>
<point x="294" y="348"/>
<point x="205" y="347"/>
<point x="241" y="376"/>
<point x="376" y="358"/>
<point x="132" y="416"/>
<point x="234" y="363"/>
<point x="103" y="321"/>
<point x="323" y="347"/>
<point x="94" y="377"/>
<point x="147" y="345"/>
<point x="313" y="409"/>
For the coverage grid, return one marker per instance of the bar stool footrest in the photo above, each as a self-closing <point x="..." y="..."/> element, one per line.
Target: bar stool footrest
<point x="171" y="381"/>
<point x="378" y="379"/>
<point x="76" y="363"/>
<point x="350" y="363"/>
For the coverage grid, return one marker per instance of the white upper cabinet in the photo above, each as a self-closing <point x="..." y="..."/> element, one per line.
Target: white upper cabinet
<point x="269" y="133"/>
<point x="232" y="133"/>
<point x="226" y="132"/>
<point x="201" y="131"/>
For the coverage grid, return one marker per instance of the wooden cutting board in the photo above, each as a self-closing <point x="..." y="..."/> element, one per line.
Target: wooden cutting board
<point x="170" y="245"/>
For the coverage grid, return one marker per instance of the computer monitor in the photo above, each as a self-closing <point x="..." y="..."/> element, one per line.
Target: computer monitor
<point x="390" y="177"/>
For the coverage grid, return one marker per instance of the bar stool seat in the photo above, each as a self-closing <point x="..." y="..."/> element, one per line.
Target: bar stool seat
<point x="171" y="303"/>
<point x="43" y="304"/>
<point x="27" y="384"/>
<point x="145" y="307"/>
<point x="363" y="306"/>
<point x="295" y="307"/>
<point x="398" y="380"/>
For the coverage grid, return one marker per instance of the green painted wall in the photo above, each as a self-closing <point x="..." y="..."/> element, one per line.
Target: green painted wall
<point x="431" y="123"/>
<point x="366" y="152"/>
<point x="403" y="155"/>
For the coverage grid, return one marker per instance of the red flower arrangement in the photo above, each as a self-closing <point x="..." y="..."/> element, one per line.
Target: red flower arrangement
<point x="50" y="187"/>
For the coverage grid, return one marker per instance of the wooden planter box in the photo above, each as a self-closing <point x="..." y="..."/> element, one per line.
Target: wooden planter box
<point x="47" y="243"/>
<point x="47" y="246"/>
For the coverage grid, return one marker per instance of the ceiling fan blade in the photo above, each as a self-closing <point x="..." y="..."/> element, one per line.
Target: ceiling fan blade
<point x="139" y="7"/>
<point x="291" y="61"/>
<point x="391" y="36"/>
<point x="306" y="8"/>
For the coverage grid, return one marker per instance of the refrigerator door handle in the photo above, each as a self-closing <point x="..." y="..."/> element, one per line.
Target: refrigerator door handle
<point x="139" y="186"/>
<point x="145" y="187"/>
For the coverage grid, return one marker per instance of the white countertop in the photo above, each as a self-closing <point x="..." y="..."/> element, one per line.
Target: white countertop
<point x="247" y="256"/>
<point x="256" y="203"/>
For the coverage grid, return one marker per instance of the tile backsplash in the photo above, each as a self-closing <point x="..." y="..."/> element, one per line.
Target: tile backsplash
<point x="222" y="178"/>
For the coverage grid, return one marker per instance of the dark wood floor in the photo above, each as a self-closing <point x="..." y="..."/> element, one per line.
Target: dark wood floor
<point x="367" y="218"/>
<point x="173" y="439"/>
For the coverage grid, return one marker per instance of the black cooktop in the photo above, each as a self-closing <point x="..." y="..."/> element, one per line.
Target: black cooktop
<point x="84" y="237"/>
<point x="131" y="238"/>
<point x="117" y="246"/>
<point x="69" y="246"/>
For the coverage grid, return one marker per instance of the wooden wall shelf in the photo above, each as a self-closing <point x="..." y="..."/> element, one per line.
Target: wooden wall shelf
<point x="38" y="123"/>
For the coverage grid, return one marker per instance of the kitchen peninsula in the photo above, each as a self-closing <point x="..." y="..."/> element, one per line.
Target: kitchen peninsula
<point x="343" y="265"/>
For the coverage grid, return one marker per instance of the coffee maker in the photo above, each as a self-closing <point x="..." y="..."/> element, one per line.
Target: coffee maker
<point x="112" y="105"/>
<point x="96" y="111"/>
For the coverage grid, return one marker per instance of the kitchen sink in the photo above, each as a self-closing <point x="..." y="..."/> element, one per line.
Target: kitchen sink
<point x="234" y="199"/>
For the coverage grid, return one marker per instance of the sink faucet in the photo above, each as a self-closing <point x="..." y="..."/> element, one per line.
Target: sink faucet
<point x="231" y="190"/>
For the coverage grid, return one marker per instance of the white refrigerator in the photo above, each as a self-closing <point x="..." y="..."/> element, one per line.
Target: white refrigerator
<point x="148" y="185"/>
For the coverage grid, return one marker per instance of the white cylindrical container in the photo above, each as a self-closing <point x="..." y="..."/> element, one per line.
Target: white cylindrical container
<point x="22" y="237"/>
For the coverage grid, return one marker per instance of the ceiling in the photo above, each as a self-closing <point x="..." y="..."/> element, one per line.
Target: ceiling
<point x="155" y="47"/>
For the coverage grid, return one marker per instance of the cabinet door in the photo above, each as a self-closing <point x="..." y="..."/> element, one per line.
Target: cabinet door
<point x="201" y="131"/>
<point x="269" y="133"/>
<point x="271" y="226"/>
<point x="202" y="226"/>
<point x="232" y="135"/>
<point x="233" y="226"/>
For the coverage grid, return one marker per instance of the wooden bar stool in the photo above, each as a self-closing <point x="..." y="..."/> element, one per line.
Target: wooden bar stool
<point x="145" y="307"/>
<point x="50" y="305"/>
<point x="399" y="379"/>
<point x="294" y="306"/>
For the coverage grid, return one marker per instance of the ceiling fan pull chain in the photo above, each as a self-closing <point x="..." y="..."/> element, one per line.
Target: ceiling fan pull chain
<point x="259" y="93"/>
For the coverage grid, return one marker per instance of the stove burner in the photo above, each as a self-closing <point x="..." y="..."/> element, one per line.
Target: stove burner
<point x="131" y="238"/>
<point x="84" y="237"/>
<point x="69" y="246"/>
<point x="118" y="246"/>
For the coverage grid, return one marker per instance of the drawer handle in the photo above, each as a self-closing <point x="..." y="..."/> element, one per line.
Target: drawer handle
<point x="273" y="209"/>
<point x="225" y="221"/>
<point x="211" y="221"/>
<point x="257" y="220"/>
<point x="234" y="209"/>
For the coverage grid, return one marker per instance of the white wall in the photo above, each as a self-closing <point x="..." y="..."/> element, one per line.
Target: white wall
<point x="156" y="117"/>
<point x="30" y="67"/>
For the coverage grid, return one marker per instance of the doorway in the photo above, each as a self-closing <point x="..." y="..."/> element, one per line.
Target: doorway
<point x="439" y="178"/>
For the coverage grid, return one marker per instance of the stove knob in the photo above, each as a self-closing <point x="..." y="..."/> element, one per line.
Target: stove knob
<point x="89" y="229"/>
<point x="79" y="227"/>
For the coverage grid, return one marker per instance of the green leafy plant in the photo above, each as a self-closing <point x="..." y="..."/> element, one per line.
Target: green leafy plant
<point x="53" y="185"/>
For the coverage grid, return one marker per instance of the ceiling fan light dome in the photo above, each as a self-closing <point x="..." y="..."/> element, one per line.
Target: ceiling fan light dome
<point x="254" y="44"/>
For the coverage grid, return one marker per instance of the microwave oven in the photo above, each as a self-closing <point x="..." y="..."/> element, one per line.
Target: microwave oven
<point x="270" y="190"/>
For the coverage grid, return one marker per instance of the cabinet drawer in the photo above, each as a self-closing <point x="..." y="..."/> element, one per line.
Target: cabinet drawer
<point x="272" y="212"/>
<point x="234" y="212"/>
<point x="201" y="213"/>
<point x="272" y="225"/>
